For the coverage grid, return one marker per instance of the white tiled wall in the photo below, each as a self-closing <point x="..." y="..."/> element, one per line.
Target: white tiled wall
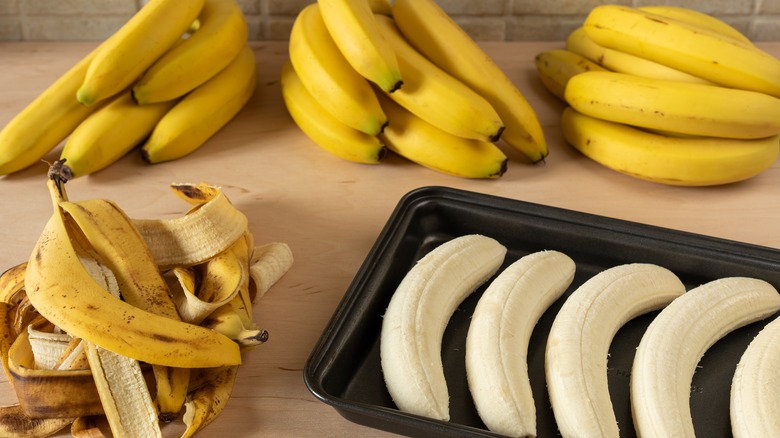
<point x="485" y="20"/>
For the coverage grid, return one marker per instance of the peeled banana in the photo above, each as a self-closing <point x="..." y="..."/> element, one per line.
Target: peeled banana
<point x="673" y="160"/>
<point x="498" y="337"/>
<point x="686" y="108"/>
<point x="419" y="310"/>
<point x="675" y="341"/>
<point x="579" y="340"/>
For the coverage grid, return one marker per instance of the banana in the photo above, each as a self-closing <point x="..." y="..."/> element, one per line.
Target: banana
<point x="754" y="406"/>
<point x="435" y="34"/>
<point x="693" y="109"/>
<point x="227" y="320"/>
<point x="126" y="54"/>
<point x="16" y="424"/>
<point x="418" y="312"/>
<point x="696" y="18"/>
<point x="557" y="66"/>
<point x="208" y="399"/>
<point x="353" y="27"/>
<point x="673" y="160"/>
<point x="423" y="143"/>
<point x="323" y="128"/>
<point x="579" y="42"/>
<point x="329" y="78"/>
<point x="110" y="133"/>
<point x="111" y="233"/>
<point x="80" y="304"/>
<point x="436" y="97"/>
<point x="675" y="341"/>
<point x="204" y="111"/>
<point x="44" y="122"/>
<point x="215" y="221"/>
<point x="220" y="37"/>
<point x="498" y="336"/>
<point x="691" y="49"/>
<point x="578" y="343"/>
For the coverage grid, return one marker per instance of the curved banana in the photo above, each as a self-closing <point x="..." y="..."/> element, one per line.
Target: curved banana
<point x="685" y="161"/>
<point x="204" y="111"/>
<point x="755" y="385"/>
<point x="329" y="78"/>
<point x="435" y="96"/>
<point x="80" y="304"/>
<point x="110" y="133"/>
<point x="675" y="341"/>
<point x="126" y="54"/>
<point x="687" y="48"/>
<point x="353" y="27"/>
<point x="557" y="66"/>
<point x="439" y="38"/>
<point x="45" y="121"/>
<point x="693" y="109"/>
<point x="423" y="143"/>
<point x="696" y="18"/>
<point x="579" y="340"/>
<point x="323" y="128"/>
<point x="498" y="336"/>
<point x="221" y="35"/>
<point x="579" y="42"/>
<point x="419" y="310"/>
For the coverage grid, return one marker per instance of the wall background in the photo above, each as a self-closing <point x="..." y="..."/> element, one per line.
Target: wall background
<point x="271" y="20"/>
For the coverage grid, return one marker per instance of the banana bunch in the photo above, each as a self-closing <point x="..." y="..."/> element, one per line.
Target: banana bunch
<point x="107" y="303"/>
<point x="667" y="94"/>
<point x="368" y="76"/>
<point x="167" y="81"/>
<point x="516" y="294"/>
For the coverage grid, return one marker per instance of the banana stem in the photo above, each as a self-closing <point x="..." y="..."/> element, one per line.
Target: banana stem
<point x="59" y="174"/>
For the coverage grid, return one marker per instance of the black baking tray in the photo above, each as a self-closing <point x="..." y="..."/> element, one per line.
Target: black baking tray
<point x="343" y="370"/>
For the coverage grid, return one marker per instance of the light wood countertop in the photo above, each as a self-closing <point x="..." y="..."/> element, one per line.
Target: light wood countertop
<point x="331" y="211"/>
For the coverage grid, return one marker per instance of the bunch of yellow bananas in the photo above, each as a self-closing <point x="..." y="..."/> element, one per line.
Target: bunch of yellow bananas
<point x="365" y="76"/>
<point x="106" y="300"/>
<point x="168" y="79"/>
<point x="667" y="94"/>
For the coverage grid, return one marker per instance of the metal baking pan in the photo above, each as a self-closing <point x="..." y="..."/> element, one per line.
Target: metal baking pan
<point x="344" y="370"/>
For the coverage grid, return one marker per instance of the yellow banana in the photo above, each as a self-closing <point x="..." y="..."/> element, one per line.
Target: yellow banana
<point x="111" y="233"/>
<point x="329" y="78"/>
<point x="126" y="54"/>
<point x="417" y="140"/>
<point x="352" y="25"/>
<point x="579" y="42"/>
<point x="45" y="121"/>
<point x="204" y="111"/>
<point x="80" y="304"/>
<point x="436" y="35"/>
<point x="437" y="97"/>
<point x="228" y="321"/>
<point x="323" y="128"/>
<point x="687" y="48"/>
<point x="691" y="161"/>
<point x="110" y="133"/>
<point x="693" y="109"/>
<point x="696" y="18"/>
<point x="557" y="66"/>
<point x="221" y="35"/>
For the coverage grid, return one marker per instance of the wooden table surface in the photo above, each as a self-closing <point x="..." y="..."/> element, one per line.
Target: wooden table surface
<point x="330" y="212"/>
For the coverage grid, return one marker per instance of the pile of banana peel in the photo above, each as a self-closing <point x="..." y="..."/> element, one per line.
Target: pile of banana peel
<point x="129" y="324"/>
